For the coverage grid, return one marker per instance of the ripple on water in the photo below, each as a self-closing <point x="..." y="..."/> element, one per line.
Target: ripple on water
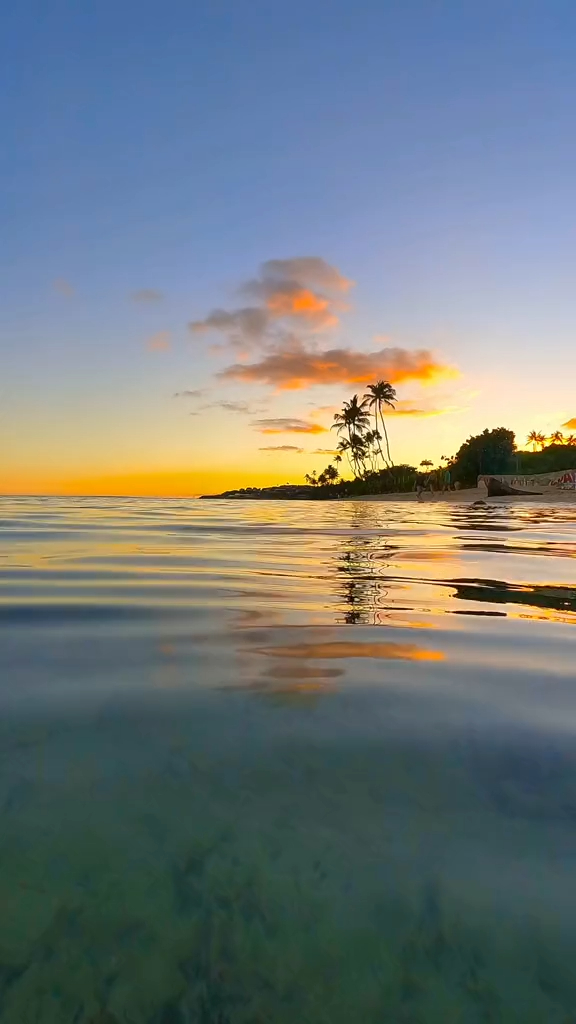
<point x="277" y="762"/>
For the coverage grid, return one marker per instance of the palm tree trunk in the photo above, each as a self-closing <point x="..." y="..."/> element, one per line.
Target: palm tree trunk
<point x="377" y="431"/>
<point x="386" y="438"/>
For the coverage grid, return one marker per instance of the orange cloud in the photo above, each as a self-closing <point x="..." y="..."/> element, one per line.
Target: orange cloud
<point x="570" y="424"/>
<point x="300" y="292"/>
<point x="292" y="365"/>
<point x="287" y="425"/>
<point x="159" y="342"/>
<point x="302" y="303"/>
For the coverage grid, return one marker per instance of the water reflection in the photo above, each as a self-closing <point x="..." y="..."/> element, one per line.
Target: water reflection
<point x="249" y="750"/>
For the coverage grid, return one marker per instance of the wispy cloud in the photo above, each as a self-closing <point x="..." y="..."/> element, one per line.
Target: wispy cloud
<point x="146" y="295"/>
<point x="324" y="451"/>
<point x="282" y="448"/>
<point x="407" y="408"/>
<point x="304" y="292"/>
<point x="294" y="364"/>
<point x="63" y="287"/>
<point x="570" y="424"/>
<point x="240" y="407"/>
<point x="287" y="425"/>
<point x="195" y="393"/>
<point x="159" y="342"/>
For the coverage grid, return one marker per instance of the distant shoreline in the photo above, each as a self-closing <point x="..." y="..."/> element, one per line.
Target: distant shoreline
<point x="464" y="496"/>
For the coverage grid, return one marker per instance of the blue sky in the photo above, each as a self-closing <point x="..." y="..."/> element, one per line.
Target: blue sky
<point x="425" y="149"/>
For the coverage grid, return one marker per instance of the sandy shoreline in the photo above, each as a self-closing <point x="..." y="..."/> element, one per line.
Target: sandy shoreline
<point x="471" y="494"/>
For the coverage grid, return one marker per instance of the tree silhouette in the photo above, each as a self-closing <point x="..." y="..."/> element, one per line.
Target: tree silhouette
<point x="537" y="439"/>
<point x="380" y="394"/>
<point x="557" y="437"/>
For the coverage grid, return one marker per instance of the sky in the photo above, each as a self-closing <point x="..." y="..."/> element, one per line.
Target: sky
<point x="221" y="219"/>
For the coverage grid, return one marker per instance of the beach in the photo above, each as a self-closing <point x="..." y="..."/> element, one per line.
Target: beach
<point x="471" y="494"/>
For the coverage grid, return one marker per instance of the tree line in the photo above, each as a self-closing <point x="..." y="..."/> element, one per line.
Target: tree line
<point x="365" y="444"/>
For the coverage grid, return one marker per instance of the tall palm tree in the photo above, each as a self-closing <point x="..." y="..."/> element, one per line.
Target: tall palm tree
<point x="353" y="419"/>
<point x="557" y="437"/>
<point x="537" y="439"/>
<point x="378" y="395"/>
<point x="571" y="440"/>
<point x="541" y="440"/>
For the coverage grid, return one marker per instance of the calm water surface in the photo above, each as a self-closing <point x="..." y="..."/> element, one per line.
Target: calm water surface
<point x="268" y="763"/>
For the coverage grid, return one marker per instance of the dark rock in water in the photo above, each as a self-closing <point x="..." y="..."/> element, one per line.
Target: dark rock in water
<point x="498" y="489"/>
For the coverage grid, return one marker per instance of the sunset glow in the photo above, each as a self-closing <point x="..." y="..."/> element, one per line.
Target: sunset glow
<point x="179" y="275"/>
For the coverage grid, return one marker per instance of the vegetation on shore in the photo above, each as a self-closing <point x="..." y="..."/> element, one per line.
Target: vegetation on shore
<point x="364" y="444"/>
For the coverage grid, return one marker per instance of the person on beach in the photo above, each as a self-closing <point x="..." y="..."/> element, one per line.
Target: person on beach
<point x="419" y="486"/>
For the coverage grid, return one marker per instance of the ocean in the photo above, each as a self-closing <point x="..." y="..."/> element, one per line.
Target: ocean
<point x="266" y="763"/>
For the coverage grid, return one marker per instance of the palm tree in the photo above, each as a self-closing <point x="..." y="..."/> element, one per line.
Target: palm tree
<point x="311" y="478"/>
<point x="426" y="462"/>
<point x="372" y="439"/>
<point x="571" y="440"/>
<point x="537" y="439"/>
<point x="344" y="446"/>
<point x="380" y="394"/>
<point x="353" y="420"/>
<point x="352" y="417"/>
<point x="557" y="437"/>
<point x="359" y="453"/>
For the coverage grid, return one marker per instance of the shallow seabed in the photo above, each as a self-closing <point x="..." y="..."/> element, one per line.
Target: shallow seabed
<point x="272" y="763"/>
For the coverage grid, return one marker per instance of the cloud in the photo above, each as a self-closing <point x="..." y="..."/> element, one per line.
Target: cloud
<point x="304" y="292"/>
<point x="324" y="410"/>
<point x="311" y="271"/>
<point x="242" y="407"/>
<point x="570" y="424"/>
<point x="249" y="323"/>
<point x="324" y="451"/>
<point x="147" y="295"/>
<point x="293" y="364"/>
<point x="196" y="393"/>
<point x="159" y="342"/>
<point x="281" y="448"/>
<point x="405" y="408"/>
<point x="63" y="287"/>
<point x="287" y="425"/>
